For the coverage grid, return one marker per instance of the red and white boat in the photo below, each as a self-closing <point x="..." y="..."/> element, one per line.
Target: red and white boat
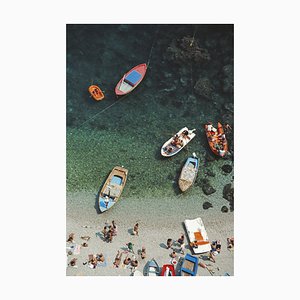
<point x="168" y="270"/>
<point x="131" y="80"/>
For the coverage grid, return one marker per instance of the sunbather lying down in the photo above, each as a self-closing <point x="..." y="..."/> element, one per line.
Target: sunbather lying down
<point x="118" y="259"/>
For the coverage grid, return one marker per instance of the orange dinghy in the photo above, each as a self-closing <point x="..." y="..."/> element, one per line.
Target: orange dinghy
<point x="96" y="92"/>
<point x="216" y="139"/>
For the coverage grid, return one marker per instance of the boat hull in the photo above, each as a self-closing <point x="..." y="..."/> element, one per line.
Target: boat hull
<point x="213" y="140"/>
<point x="112" y="188"/>
<point x="188" y="173"/>
<point x="168" y="150"/>
<point x="189" y="266"/>
<point x="123" y="87"/>
<point x="96" y="92"/>
<point x="196" y="233"/>
<point x="168" y="270"/>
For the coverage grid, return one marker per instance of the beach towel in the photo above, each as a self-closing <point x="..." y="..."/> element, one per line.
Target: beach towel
<point x="74" y="249"/>
<point x="102" y="264"/>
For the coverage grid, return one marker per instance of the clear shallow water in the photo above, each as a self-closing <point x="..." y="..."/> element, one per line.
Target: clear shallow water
<point x="132" y="131"/>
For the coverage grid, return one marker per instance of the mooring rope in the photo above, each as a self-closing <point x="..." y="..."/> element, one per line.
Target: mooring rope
<point x="148" y="62"/>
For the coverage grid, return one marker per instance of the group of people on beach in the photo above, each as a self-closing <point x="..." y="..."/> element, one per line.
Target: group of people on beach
<point x="109" y="231"/>
<point x="179" y="242"/>
<point x="131" y="261"/>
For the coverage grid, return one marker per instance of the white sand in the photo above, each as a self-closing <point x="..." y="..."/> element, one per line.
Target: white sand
<point x="159" y="219"/>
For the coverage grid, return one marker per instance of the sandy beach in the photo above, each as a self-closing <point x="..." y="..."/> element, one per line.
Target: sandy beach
<point x="155" y="228"/>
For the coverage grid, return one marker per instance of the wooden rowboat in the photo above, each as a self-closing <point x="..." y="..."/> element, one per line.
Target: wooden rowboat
<point x="112" y="188"/>
<point x="188" y="173"/>
<point x="189" y="266"/>
<point x="177" y="142"/>
<point x="96" y="92"/>
<point x="217" y="140"/>
<point x="131" y="80"/>
<point x="168" y="270"/>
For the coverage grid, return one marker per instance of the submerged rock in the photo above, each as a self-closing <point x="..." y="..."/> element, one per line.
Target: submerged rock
<point x="224" y="209"/>
<point x="208" y="189"/>
<point x="204" y="87"/>
<point x="228" y="194"/>
<point x="186" y="50"/>
<point x="207" y="205"/>
<point x="227" y="168"/>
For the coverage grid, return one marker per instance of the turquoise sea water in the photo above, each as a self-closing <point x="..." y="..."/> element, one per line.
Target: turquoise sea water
<point x="132" y="131"/>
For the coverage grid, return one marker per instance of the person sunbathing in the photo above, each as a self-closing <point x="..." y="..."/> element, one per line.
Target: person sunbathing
<point x="134" y="263"/>
<point x="118" y="259"/>
<point x="185" y="134"/>
<point x="100" y="257"/>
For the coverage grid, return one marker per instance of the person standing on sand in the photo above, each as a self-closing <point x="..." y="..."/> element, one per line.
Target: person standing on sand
<point x="114" y="228"/>
<point x="109" y="236"/>
<point x="143" y="253"/>
<point x="130" y="247"/>
<point x="173" y="254"/>
<point x="169" y="243"/>
<point x="181" y="240"/>
<point x="71" y="238"/>
<point x="136" y="229"/>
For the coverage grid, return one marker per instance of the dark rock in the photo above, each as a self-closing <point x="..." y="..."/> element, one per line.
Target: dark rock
<point x="208" y="189"/>
<point x="204" y="87"/>
<point x="227" y="168"/>
<point x="224" y="209"/>
<point x="228" y="194"/>
<point x="207" y="205"/>
<point x="186" y="50"/>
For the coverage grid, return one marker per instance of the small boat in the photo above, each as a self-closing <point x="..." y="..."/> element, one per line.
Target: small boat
<point x="197" y="235"/>
<point x="152" y="268"/>
<point x="188" y="173"/>
<point x="112" y="188"/>
<point x="131" y="80"/>
<point x="177" y="142"/>
<point x="96" y="92"/>
<point x="216" y="139"/>
<point x="168" y="270"/>
<point x="189" y="266"/>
